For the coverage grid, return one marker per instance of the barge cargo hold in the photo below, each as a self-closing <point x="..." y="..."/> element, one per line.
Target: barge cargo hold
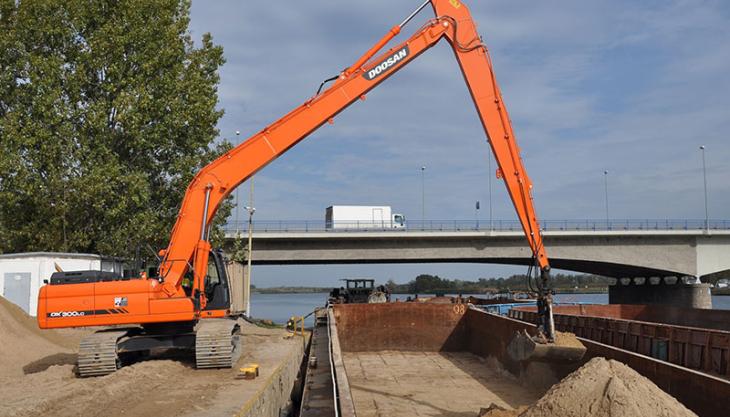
<point x="412" y="359"/>
<point x="692" y="338"/>
<point x="450" y="360"/>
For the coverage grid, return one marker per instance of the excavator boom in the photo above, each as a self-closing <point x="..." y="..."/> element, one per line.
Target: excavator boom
<point x="453" y="22"/>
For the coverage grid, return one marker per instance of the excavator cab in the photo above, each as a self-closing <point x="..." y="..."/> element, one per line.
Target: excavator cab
<point x="217" y="288"/>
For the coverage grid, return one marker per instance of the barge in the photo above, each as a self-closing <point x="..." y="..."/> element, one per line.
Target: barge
<point x="399" y="359"/>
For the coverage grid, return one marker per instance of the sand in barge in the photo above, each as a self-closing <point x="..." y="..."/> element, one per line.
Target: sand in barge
<point x="392" y="383"/>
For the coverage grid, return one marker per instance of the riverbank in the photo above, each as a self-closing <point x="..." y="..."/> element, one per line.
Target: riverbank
<point x="601" y="290"/>
<point x="291" y="290"/>
<point x="485" y="291"/>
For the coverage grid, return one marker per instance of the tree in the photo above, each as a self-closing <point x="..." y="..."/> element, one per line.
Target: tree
<point x="107" y="109"/>
<point x="238" y="250"/>
<point x="425" y="283"/>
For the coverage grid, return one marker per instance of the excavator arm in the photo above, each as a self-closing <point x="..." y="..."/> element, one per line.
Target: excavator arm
<point x="189" y="246"/>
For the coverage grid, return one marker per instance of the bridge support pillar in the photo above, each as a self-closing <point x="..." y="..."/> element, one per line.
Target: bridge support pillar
<point x="644" y="291"/>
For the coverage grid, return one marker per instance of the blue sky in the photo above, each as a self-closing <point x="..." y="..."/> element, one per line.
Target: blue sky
<point x="629" y="87"/>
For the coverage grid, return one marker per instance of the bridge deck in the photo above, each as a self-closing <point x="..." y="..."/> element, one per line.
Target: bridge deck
<point x="613" y="253"/>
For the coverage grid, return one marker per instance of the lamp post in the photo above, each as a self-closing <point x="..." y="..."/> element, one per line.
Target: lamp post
<point x="476" y="214"/>
<point x="423" y="197"/>
<point x="605" y="186"/>
<point x="247" y="278"/>
<point x="489" y="159"/>
<point x="238" y="139"/>
<point x="704" y="177"/>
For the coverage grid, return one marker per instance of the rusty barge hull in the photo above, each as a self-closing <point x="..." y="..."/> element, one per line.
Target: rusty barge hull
<point x="698" y="339"/>
<point x="457" y="344"/>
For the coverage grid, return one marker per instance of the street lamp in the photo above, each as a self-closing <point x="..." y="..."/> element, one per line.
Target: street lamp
<point x="489" y="159"/>
<point x="247" y="278"/>
<point x="423" y="197"/>
<point x="704" y="177"/>
<point x="476" y="214"/>
<point x="238" y="135"/>
<point x="251" y="210"/>
<point x="605" y="186"/>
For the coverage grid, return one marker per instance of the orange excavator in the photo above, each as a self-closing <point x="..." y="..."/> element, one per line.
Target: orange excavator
<point x="187" y="304"/>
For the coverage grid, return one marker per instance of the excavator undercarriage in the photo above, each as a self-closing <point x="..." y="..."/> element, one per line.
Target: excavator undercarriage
<point x="215" y="342"/>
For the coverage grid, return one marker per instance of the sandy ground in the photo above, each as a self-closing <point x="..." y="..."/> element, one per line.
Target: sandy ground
<point x="37" y="376"/>
<point x="24" y="345"/>
<point x="445" y="384"/>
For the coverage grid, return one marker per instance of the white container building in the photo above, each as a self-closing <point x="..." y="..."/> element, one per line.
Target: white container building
<point x="22" y="274"/>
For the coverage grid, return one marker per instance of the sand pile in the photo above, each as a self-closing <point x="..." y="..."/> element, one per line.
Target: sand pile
<point x="566" y="339"/>
<point x="606" y="388"/>
<point x="23" y="343"/>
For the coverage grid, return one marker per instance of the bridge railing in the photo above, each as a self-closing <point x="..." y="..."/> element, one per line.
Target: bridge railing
<point x="477" y="225"/>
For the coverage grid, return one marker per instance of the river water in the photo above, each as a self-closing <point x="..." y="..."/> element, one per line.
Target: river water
<point x="280" y="307"/>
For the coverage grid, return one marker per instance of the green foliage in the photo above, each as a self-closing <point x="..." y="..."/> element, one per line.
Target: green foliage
<point x="107" y="109"/>
<point x="239" y="249"/>
<point x="429" y="284"/>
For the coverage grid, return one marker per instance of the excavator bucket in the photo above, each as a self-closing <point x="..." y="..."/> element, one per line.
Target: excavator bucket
<point x="565" y="348"/>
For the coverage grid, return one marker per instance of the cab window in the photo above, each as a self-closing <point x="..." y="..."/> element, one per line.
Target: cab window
<point x="212" y="271"/>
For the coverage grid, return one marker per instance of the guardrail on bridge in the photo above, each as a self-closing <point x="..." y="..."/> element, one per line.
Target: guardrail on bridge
<point x="474" y="225"/>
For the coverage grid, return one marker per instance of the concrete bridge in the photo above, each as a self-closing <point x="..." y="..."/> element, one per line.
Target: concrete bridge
<point x="622" y="249"/>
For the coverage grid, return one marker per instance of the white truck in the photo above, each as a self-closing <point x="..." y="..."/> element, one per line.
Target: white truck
<point x="363" y="217"/>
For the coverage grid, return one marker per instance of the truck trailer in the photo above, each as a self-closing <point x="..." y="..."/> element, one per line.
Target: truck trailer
<point x="363" y="218"/>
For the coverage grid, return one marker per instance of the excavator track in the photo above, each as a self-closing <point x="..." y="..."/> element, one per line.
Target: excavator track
<point x="98" y="353"/>
<point x="217" y="343"/>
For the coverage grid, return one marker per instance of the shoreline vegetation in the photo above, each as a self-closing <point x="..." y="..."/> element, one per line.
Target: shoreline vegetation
<point x="321" y="290"/>
<point x="433" y="284"/>
<point x="591" y="289"/>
